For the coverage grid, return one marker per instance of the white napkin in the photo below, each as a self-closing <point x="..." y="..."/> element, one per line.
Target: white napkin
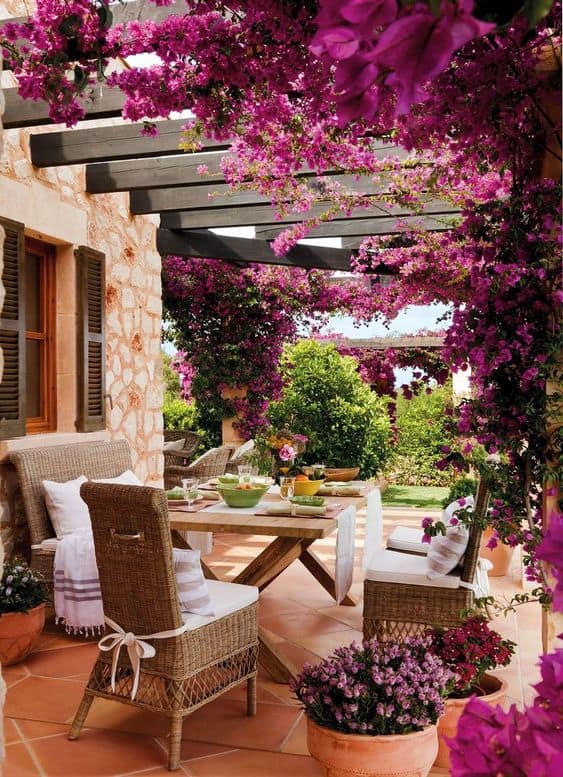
<point x="373" y="537"/>
<point x="345" y="547"/>
<point x="199" y="540"/>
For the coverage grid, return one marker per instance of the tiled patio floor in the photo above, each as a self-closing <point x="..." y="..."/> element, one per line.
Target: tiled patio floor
<point x="220" y="741"/>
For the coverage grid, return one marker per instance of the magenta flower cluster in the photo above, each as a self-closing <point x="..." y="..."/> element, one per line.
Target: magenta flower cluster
<point x="375" y="688"/>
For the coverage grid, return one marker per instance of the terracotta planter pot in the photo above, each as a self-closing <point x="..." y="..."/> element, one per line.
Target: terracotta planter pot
<point x="495" y="693"/>
<point x="19" y="631"/>
<point x="346" y="755"/>
<point x="500" y="557"/>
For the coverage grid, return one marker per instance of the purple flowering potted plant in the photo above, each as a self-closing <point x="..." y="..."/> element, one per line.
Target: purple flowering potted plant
<point x="372" y="708"/>
<point x="22" y="611"/>
<point x="470" y="651"/>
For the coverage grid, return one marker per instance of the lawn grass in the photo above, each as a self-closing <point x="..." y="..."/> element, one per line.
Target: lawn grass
<point x="414" y="496"/>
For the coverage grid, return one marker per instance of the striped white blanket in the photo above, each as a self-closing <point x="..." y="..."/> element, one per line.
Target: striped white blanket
<point x="78" y="598"/>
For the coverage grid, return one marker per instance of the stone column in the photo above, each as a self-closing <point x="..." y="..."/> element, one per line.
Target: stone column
<point x="229" y="432"/>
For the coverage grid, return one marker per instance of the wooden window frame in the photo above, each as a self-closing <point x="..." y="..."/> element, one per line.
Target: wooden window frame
<point x="47" y="420"/>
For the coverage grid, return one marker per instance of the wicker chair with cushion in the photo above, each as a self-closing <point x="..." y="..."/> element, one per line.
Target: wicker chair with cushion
<point x="59" y="463"/>
<point x="240" y="455"/>
<point x="140" y="595"/>
<point x="401" y="601"/>
<point x="179" y="446"/>
<point x="208" y="465"/>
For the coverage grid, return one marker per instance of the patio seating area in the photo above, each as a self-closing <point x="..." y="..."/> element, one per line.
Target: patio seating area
<point x="219" y="739"/>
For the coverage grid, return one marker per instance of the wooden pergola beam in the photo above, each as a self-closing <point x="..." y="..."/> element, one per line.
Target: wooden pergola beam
<point x="208" y="245"/>
<point x="123" y="141"/>
<point x="136" y="10"/>
<point x="264" y="214"/>
<point x="106" y="103"/>
<point x="382" y="343"/>
<point x="167" y="172"/>
<point x="357" y="229"/>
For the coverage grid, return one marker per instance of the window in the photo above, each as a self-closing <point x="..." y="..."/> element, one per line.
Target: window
<point x="40" y="340"/>
<point x="28" y="315"/>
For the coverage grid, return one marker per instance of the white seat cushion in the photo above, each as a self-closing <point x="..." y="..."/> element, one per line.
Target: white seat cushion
<point x="244" y="449"/>
<point x="409" y="539"/>
<point x="388" y="566"/>
<point x="226" y="598"/>
<point x="126" y="478"/>
<point x="67" y="510"/>
<point x="175" y="445"/>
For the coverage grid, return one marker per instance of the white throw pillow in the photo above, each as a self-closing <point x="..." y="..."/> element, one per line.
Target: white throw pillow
<point x="193" y="592"/>
<point x="243" y="450"/>
<point x="175" y="445"/>
<point x="446" y="550"/>
<point x="67" y="510"/>
<point x="126" y="478"/>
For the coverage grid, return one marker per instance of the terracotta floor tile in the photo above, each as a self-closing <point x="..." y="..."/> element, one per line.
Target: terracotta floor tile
<point x="296" y="742"/>
<point x="11" y="733"/>
<point x="19" y="762"/>
<point x="98" y="753"/>
<point x="299" y="625"/>
<point x="224" y="722"/>
<point x="13" y="674"/>
<point x="42" y="698"/>
<point x="324" y="644"/>
<point x="248" y="763"/>
<point x="160" y="771"/>
<point x="63" y="663"/>
<point x="297" y="654"/>
<point x="115" y="716"/>
<point x="263" y="693"/>
<point x="191" y="750"/>
<point x="349" y="616"/>
<point x="34" y="729"/>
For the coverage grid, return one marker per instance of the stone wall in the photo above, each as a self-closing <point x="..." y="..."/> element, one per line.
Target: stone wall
<point x="54" y="208"/>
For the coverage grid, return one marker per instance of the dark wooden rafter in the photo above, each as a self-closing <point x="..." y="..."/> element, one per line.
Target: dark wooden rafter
<point x="169" y="172"/>
<point x="193" y="243"/>
<point x="136" y="10"/>
<point x="382" y="343"/>
<point x="104" y="103"/>
<point x="122" y="141"/>
<point x="176" y="218"/>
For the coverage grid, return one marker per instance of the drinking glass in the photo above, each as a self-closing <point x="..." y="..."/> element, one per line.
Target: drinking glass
<point x="244" y="472"/>
<point x="190" y="490"/>
<point x="287" y="488"/>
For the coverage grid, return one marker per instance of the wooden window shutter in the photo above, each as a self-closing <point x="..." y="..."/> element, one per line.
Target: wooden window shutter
<point x="12" y="332"/>
<point x="91" y="351"/>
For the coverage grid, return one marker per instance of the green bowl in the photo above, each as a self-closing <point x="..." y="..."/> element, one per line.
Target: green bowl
<point x="236" y="497"/>
<point x="310" y="501"/>
<point x="228" y="479"/>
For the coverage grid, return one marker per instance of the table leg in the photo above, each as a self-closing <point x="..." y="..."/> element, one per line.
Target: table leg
<point x="321" y="573"/>
<point x="271" y="562"/>
<point x="179" y="542"/>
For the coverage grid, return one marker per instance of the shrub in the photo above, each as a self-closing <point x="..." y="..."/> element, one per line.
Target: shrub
<point x="461" y="487"/>
<point x="423" y="428"/>
<point x="325" y="399"/>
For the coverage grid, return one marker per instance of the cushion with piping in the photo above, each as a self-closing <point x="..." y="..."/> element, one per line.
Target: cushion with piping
<point x="243" y="450"/>
<point x="67" y="510"/>
<point x="446" y="550"/>
<point x="126" y="478"/>
<point x="175" y="445"/>
<point x="193" y="592"/>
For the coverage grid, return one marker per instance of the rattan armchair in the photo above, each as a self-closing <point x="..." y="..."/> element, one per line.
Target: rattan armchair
<point x="395" y="610"/>
<point x="99" y="459"/>
<point x="180" y="457"/>
<point x="134" y="554"/>
<point x="240" y="455"/>
<point x="209" y="465"/>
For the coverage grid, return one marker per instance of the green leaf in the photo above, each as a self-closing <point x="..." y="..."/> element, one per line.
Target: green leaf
<point x="535" y="10"/>
<point x="70" y="26"/>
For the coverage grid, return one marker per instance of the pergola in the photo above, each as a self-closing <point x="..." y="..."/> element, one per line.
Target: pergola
<point x="163" y="179"/>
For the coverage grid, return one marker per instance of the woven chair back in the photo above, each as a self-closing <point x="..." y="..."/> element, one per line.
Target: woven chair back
<point x="191" y="438"/>
<point x="472" y="552"/>
<point x="134" y="556"/>
<point x="211" y="463"/>
<point x="101" y="459"/>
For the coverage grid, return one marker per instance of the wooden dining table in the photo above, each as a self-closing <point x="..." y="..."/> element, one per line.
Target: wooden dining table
<point x="293" y="537"/>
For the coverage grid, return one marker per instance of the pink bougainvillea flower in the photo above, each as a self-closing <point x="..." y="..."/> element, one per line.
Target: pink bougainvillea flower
<point x="415" y="48"/>
<point x="372" y="13"/>
<point x="337" y="42"/>
<point x="287" y="453"/>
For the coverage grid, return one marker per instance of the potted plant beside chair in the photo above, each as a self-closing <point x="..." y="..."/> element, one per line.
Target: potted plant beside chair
<point x="470" y="650"/>
<point x="372" y="709"/>
<point x="22" y="611"/>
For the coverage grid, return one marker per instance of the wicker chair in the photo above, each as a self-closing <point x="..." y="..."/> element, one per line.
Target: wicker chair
<point x="236" y="458"/>
<point x="60" y="463"/>
<point x="180" y="457"/>
<point x="394" y="610"/>
<point x="139" y="591"/>
<point x="210" y="464"/>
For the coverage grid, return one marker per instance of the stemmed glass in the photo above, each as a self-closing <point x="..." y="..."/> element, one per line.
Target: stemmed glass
<point x="287" y="487"/>
<point x="190" y="490"/>
<point x="244" y="473"/>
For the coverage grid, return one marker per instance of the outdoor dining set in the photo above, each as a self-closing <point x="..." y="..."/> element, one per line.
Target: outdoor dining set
<point x="176" y="634"/>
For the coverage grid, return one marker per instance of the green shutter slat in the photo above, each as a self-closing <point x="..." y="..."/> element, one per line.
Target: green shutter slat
<point x="91" y="339"/>
<point x="12" y="332"/>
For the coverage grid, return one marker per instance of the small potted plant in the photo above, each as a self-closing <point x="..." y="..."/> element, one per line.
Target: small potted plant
<point x="372" y="709"/>
<point x="22" y="611"/>
<point x="470" y="651"/>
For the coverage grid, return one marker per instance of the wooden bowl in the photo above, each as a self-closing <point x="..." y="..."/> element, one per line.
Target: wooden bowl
<point x="343" y="474"/>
